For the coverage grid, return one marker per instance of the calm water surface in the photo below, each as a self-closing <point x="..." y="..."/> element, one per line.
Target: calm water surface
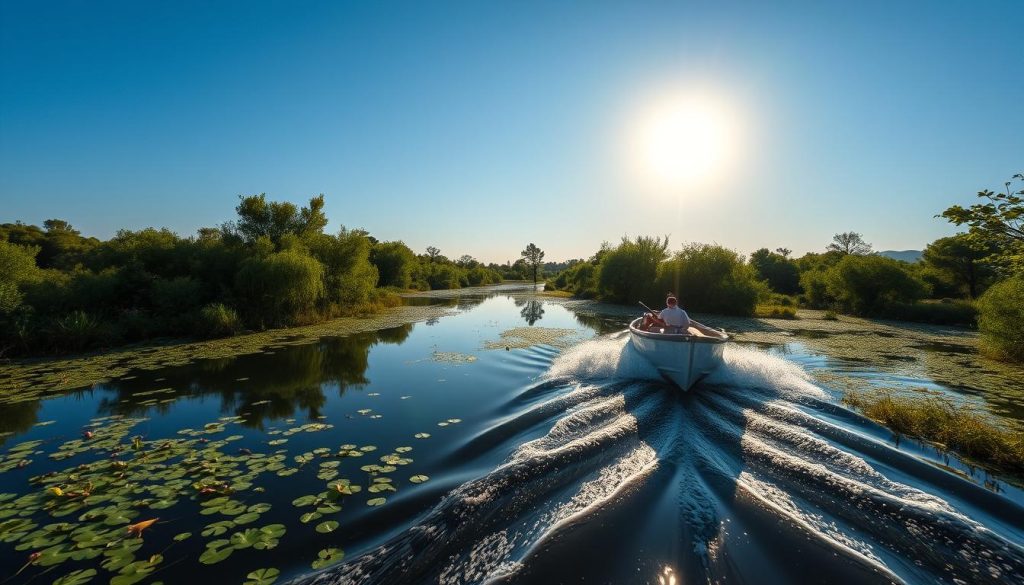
<point x="446" y="452"/>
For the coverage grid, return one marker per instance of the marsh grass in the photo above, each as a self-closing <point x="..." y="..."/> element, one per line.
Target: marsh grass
<point x="775" y="311"/>
<point x="949" y="425"/>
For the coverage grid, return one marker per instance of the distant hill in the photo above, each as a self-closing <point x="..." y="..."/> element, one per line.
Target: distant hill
<point x="905" y="255"/>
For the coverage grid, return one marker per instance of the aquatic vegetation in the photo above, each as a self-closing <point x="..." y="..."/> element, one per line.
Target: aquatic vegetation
<point x="524" y="337"/>
<point x="452" y="357"/>
<point x="105" y="509"/>
<point x="950" y="425"/>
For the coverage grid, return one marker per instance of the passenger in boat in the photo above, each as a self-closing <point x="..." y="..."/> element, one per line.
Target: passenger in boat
<point x="672" y="318"/>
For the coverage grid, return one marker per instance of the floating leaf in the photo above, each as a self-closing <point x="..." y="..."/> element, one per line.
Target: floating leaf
<point x="309" y="517"/>
<point x="376" y="502"/>
<point x="262" y="577"/>
<point x="422" y="435"/>
<point x="215" y="555"/>
<point x="76" y="577"/>
<point x="246" y="538"/>
<point x="327" y="557"/>
<point x="328" y="526"/>
<point x="182" y="536"/>
<point x="418" y="478"/>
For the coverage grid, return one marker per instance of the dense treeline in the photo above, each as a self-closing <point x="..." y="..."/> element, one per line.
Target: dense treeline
<point x="272" y="266"/>
<point x="972" y="278"/>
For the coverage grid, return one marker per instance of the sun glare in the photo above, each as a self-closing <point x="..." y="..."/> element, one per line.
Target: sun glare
<point x="683" y="140"/>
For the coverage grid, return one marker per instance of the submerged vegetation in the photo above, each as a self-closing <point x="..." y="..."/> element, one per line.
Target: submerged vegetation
<point x="950" y="425"/>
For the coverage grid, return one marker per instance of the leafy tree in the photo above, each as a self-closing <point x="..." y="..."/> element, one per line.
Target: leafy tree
<point x="629" y="271"/>
<point x="781" y="273"/>
<point x="710" y="278"/>
<point x="467" y="261"/>
<point x="868" y="284"/>
<point x="849" y="243"/>
<point x="1001" y="319"/>
<point x="394" y="262"/>
<point x="280" y="288"/>
<point x="962" y="258"/>
<point x="998" y="223"/>
<point x="258" y="217"/>
<point x="784" y="252"/>
<point x="349" y="277"/>
<point x="534" y="258"/>
<point x="433" y="253"/>
<point x="17" y="267"/>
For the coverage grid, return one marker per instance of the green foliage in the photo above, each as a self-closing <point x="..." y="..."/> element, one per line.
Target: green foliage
<point x="281" y="288"/>
<point x="713" y="279"/>
<point x="628" y="271"/>
<point x="868" y="284"/>
<point x="274" y="219"/>
<point x="534" y="257"/>
<point x="781" y="273"/>
<point x="218" y="320"/>
<point x="997" y="224"/>
<point x="960" y="261"/>
<point x="349" y="277"/>
<point x="958" y="312"/>
<point x="815" y="285"/>
<point x="395" y="263"/>
<point x="17" y="268"/>
<point x="1001" y="319"/>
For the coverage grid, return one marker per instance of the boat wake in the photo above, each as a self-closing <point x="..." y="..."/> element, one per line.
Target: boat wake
<point x="756" y="475"/>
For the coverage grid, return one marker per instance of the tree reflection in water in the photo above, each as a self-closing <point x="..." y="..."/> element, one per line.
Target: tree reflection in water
<point x="269" y="385"/>
<point x="532" y="311"/>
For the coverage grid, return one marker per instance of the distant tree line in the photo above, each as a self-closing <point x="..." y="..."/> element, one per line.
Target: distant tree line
<point x="272" y="266"/>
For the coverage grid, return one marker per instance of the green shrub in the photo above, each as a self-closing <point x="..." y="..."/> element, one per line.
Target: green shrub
<point x="1001" y="319"/>
<point x="176" y="296"/>
<point x="217" y="320"/>
<point x="17" y="268"/>
<point x="773" y="311"/>
<point x="442" y="276"/>
<point x="830" y="315"/>
<point x="781" y="273"/>
<point x="942" y="313"/>
<point x="394" y="261"/>
<point x="76" y="331"/>
<point x="281" y="288"/>
<point x="711" y="279"/>
<point x="866" y="285"/>
<point x="629" y="271"/>
<point x="348" y="275"/>
<point x="815" y="285"/>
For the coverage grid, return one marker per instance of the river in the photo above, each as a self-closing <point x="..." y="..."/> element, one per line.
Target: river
<point x="508" y="437"/>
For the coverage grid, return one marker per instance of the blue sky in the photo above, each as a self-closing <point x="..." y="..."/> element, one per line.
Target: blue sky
<point x="478" y="127"/>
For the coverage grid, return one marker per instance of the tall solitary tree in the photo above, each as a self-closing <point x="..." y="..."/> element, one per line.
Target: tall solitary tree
<point x="849" y="243"/>
<point x="534" y="257"/>
<point x="433" y="252"/>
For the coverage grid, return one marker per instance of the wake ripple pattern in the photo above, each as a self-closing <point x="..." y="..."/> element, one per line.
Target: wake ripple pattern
<point x="754" y="431"/>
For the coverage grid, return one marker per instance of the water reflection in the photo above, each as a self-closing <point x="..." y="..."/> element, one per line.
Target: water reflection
<point x="532" y="311"/>
<point x="268" y="385"/>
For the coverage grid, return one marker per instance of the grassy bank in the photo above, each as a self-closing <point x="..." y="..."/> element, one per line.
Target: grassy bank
<point x="946" y="424"/>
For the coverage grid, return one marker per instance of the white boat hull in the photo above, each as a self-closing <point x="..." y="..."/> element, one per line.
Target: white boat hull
<point x="683" y="359"/>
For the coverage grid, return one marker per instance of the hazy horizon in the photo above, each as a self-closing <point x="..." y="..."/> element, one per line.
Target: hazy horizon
<point x="480" y="128"/>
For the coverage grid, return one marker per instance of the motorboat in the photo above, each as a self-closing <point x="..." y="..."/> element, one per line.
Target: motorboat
<point x="683" y="358"/>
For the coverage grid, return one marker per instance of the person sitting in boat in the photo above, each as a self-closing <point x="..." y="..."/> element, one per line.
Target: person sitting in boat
<point x="672" y="318"/>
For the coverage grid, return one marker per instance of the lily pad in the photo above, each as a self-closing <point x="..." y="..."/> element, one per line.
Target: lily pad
<point x="376" y="501"/>
<point x="328" y="557"/>
<point x="418" y="478"/>
<point x="262" y="577"/>
<point x="328" y="526"/>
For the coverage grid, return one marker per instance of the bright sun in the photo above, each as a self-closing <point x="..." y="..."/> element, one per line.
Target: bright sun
<point x="683" y="141"/>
